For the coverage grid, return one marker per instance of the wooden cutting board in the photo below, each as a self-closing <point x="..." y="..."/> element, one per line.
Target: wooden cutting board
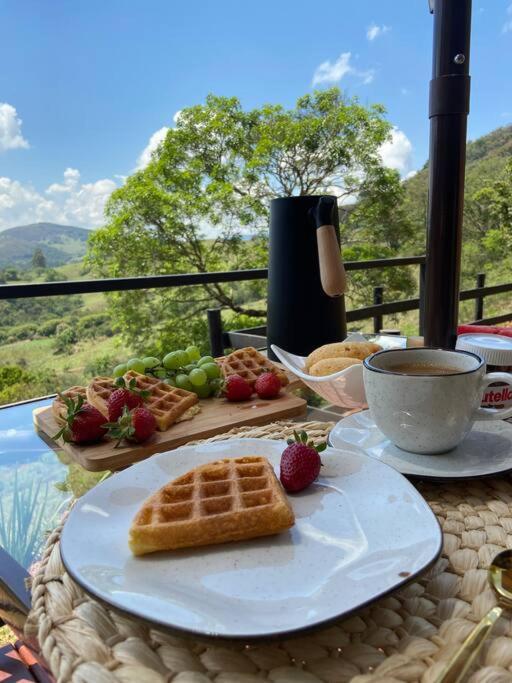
<point x="216" y="416"/>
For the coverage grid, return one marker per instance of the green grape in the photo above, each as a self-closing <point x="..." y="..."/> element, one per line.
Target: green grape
<point x="212" y="370"/>
<point x="205" y="359"/>
<point x="119" y="370"/>
<point x="182" y="358"/>
<point x="150" y="362"/>
<point x="171" y="381"/>
<point x="193" y="353"/>
<point x="171" y="361"/>
<point x="183" y="382"/>
<point x="161" y="373"/>
<point x="202" y="392"/>
<point x="215" y="385"/>
<point x="198" y="377"/>
<point x="188" y="368"/>
<point x="137" y="365"/>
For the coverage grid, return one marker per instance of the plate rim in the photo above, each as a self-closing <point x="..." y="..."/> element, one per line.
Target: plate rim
<point x="424" y="477"/>
<point x="282" y="634"/>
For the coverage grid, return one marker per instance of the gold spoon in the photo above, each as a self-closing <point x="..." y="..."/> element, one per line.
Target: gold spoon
<point x="500" y="578"/>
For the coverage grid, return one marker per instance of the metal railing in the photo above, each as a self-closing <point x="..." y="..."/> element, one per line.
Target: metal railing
<point x="218" y="338"/>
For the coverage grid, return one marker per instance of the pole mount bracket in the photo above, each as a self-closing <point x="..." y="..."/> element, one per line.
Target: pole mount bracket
<point x="449" y="94"/>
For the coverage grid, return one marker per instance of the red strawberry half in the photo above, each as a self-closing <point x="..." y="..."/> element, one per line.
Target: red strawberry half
<point x="137" y="425"/>
<point x="300" y="462"/>
<point x="236" y="388"/>
<point x="84" y="424"/>
<point x="268" y="385"/>
<point x="127" y="395"/>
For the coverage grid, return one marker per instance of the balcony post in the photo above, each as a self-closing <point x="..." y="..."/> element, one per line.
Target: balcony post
<point x="479" y="300"/>
<point x="215" y="331"/>
<point x="378" y="298"/>
<point x="448" y="111"/>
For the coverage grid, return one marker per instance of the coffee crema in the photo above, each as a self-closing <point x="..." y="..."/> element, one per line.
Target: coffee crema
<point x="423" y="369"/>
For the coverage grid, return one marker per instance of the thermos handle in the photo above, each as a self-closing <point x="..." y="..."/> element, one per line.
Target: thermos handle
<point x="332" y="270"/>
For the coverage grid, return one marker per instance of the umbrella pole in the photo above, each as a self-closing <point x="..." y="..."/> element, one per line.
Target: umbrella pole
<point x="448" y="111"/>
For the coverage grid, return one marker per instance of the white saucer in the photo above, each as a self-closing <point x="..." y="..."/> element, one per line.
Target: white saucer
<point x="361" y="530"/>
<point x="487" y="449"/>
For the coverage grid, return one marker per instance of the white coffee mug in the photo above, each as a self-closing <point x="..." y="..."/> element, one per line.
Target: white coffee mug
<point x="429" y="413"/>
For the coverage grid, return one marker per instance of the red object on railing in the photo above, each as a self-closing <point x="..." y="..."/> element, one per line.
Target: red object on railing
<point x="484" y="329"/>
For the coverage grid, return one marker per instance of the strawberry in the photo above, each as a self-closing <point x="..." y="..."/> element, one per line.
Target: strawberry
<point x="267" y="385"/>
<point x="137" y="425"/>
<point x="84" y="424"/>
<point x="127" y="395"/>
<point x="300" y="462"/>
<point x="237" y="389"/>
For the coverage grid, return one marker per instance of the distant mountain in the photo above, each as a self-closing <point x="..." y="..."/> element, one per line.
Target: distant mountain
<point x="485" y="160"/>
<point x="60" y="244"/>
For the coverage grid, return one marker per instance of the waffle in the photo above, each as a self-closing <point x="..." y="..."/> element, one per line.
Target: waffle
<point x="59" y="409"/>
<point x="98" y="392"/>
<point x="226" y="500"/>
<point x="167" y="403"/>
<point x="249" y="363"/>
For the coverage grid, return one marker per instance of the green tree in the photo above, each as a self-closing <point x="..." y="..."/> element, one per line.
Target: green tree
<point x="38" y="259"/>
<point x="210" y="182"/>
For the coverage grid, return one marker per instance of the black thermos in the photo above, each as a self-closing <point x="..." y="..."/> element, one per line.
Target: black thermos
<point x="301" y="316"/>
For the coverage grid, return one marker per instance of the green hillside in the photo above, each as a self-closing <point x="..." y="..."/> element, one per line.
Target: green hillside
<point x="60" y="244"/>
<point x="485" y="160"/>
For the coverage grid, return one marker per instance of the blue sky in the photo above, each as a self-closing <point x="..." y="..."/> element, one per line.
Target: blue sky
<point x="86" y="84"/>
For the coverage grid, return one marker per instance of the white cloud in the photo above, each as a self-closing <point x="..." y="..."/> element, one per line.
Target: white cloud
<point x="154" y="141"/>
<point x="507" y="26"/>
<point x="71" y="202"/>
<point x="373" y="31"/>
<point x="397" y="152"/>
<point x="10" y="129"/>
<point x="333" y="72"/>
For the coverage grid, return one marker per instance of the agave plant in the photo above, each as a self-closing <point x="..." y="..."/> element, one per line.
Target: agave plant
<point x="22" y="528"/>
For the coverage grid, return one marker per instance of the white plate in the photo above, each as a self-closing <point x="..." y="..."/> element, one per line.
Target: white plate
<point x="360" y="531"/>
<point x="487" y="449"/>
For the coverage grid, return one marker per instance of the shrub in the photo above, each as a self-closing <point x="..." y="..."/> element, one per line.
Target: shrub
<point x="65" y="338"/>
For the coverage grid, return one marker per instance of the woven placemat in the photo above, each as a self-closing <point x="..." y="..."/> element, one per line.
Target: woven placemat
<point x="405" y="637"/>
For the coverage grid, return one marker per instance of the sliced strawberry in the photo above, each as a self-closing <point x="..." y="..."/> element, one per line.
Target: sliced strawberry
<point x="137" y="425"/>
<point x="268" y="385"/>
<point x="127" y="395"/>
<point x="236" y="388"/>
<point x="84" y="424"/>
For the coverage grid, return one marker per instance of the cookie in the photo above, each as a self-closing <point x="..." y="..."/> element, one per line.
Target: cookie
<point x="328" y="366"/>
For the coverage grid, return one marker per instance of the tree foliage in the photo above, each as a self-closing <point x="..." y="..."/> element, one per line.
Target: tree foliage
<point x="208" y="188"/>
<point x="38" y="259"/>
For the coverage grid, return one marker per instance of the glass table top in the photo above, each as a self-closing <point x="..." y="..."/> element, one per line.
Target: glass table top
<point x="36" y="483"/>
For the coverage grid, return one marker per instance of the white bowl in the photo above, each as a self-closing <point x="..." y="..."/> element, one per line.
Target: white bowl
<point x="344" y="388"/>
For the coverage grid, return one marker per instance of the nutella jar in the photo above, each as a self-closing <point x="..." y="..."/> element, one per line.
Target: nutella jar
<point x="496" y="351"/>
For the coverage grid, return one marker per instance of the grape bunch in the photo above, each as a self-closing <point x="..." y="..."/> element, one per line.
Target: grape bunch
<point x="185" y="369"/>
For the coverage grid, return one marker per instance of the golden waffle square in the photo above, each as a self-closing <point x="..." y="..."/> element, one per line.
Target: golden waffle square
<point x="226" y="500"/>
<point x="98" y="392"/>
<point x="249" y="364"/>
<point x="59" y="409"/>
<point x="167" y="403"/>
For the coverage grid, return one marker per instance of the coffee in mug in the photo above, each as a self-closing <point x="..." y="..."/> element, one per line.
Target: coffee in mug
<point x="423" y="369"/>
<point x="426" y="400"/>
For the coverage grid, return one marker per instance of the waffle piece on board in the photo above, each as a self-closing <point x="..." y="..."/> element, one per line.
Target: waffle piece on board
<point x="225" y="500"/>
<point x="98" y="392"/>
<point x="59" y="409"/>
<point x="167" y="403"/>
<point x="249" y="363"/>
